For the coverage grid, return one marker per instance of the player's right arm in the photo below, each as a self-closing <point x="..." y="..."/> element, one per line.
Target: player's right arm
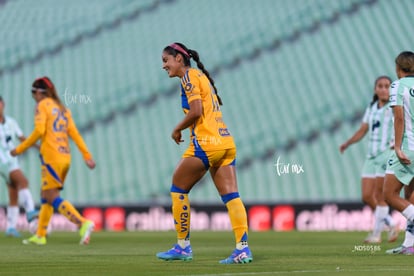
<point x="396" y="102"/>
<point x="19" y="133"/>
<point x="358" y="135"/>
<point x="23" y="138"/>
<point x="38" y="132"/>
<point x="191" y="85"/>
<point x="193" y="114"/>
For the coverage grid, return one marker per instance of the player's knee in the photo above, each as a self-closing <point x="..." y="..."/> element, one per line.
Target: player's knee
<point x="388" y="196"/>
<point x="23" y="184"/>
<point x="388" y="200"/>
<point x="18" y="180"/>
<point x="368" y="199"/>
<point x="49" y="196"/>
<point x="13" y="201"/>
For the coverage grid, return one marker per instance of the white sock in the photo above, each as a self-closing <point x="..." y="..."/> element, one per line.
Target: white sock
<point x="409" y="236"/>
<point x="408" y="239"/>
<point x="12" y="216"/>
<point x="408" y="212"/>
<point x="26" y="200"/>
<point x="380" y="214"/>
<point x="183" y="243"/>
<point x="241" y="245"/>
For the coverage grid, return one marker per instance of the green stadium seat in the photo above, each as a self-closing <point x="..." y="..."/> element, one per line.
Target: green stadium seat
<point x="282" y="99"/>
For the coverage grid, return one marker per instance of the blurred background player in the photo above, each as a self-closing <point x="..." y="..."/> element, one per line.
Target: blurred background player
<point x="400" y="168"/>
<point x="17" y="184"/>
<point x="211" y="149"/>
<point x="378" y="123"/>
<point x="54" y="125"/>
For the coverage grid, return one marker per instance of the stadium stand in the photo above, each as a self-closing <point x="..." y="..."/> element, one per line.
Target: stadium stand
<point x="295" y="78"/>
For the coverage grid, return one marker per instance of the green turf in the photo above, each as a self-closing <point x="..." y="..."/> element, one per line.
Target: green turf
<point x="292" y="253"/>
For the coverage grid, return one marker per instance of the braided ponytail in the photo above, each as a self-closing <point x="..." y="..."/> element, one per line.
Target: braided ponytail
<point x="200" y="65"/>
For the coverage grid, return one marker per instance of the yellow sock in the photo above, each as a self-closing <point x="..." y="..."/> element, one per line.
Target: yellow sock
<point x="181" y="214"/>
<point x="45" y="213"/>
<point x="238" y="218"/>
<point x="66" y="208"/>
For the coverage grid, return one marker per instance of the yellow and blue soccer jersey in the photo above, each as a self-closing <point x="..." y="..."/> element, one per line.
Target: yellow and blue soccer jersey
<point x="209" y="132"/>
<point x="54" y="126"/>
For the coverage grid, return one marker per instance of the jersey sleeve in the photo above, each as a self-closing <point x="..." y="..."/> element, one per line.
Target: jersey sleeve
<point x="77" y="138"/>
<point x="191" y="85"/>
<point x="395" y="98"/>
<point x="39" y="130"/>
<point x="17" y="130"/>
<point x="365" y="119"/>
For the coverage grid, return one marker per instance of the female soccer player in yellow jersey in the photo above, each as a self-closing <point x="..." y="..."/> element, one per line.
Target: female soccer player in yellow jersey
<point x="211" y="149"/>
<point x="53" y="126"/>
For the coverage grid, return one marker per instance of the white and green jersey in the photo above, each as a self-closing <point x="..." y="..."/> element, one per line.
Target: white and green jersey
<point x="381" y="128"/>
<point x="9" y="133"/>
<point x="402" y="94"/>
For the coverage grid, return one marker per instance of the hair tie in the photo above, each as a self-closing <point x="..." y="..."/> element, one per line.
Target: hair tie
<point x="179" y="49"/>
<point x="48" y="83"/>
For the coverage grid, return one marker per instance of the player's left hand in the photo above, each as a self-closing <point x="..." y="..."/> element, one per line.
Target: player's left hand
<point x="13" y="152"/>
<point x="90" y="163"/>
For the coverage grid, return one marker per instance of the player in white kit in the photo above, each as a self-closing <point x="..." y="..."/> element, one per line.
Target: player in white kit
<point x="377" y="123"/>
<point x="400" y="167"/>
<point x="12" y="175"/>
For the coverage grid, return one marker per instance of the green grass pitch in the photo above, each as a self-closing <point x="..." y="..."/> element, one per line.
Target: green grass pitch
<point x="133" y="253"/>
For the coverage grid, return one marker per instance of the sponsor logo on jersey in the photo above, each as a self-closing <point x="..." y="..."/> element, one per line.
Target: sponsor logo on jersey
<point x="375" y="125"/>
<point x="224" y="132"/>
<point x="188" y="87"/>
